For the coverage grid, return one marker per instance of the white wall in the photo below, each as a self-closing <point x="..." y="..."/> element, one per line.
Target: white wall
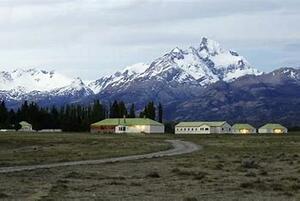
<point x="157" y="129"/>
<point x="192" y="130"/>
<point x="264" y="130"/>
<point x="141" y="129"/>
<point x="225" y="128"/>
<point x="237" y="131"/>
<point x="202" y="129"/>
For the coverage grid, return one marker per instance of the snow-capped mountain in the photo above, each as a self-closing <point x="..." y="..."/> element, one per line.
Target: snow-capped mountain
<point x="202" y="65"/>
<point x="125" y="76"/>
<point x="40" y="85"/>
<point x="32" y="80"/>
<point x="203" y="82"/>
<point x="77" y="87"/>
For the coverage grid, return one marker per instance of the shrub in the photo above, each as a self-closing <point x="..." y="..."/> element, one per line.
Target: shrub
<point x="153" y="175"/>
<point x="249" y="163"/>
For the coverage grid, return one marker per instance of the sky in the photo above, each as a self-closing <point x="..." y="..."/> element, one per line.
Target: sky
<point x="92" y="38"/>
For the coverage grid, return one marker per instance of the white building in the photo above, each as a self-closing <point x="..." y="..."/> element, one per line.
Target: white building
<point x="273" y="128"/>
<point x="243" y="129"/>
<point x="203" y="127"/>
<point x="128" y="125"/>
<point x="25" y="126"/>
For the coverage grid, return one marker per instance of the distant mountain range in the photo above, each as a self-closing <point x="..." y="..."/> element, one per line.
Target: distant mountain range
<point x="203" y="82"/>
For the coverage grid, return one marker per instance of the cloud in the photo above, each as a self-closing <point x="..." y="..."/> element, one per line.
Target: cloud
<point x="105" y="35"/>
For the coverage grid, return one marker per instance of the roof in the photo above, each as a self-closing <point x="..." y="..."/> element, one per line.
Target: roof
<point x="242" y="126"/>
<point x="127" y="122"/>
<point x="272" y="126"/>
<point x="200" y="123"/>
<point x="24" y="123"/>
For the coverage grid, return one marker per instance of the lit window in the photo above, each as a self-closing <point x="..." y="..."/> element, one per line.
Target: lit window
<point x="278" y="130"/>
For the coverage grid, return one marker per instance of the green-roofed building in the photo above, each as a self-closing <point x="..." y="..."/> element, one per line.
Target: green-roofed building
<point x="202" y="127"/>
<point x="243" y="129"/>
<point x="127" y="125"/>
<point x="273" y="128"/>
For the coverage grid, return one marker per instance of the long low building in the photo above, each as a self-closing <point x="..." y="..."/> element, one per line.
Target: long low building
<point x="243" y="129"/>
<point x="203" y="127"/>
<point x="273" y="128"/>
<point x="127" y="125"/>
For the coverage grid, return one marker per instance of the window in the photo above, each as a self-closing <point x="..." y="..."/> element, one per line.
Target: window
<point x="181" y="129"/>
<point x="201" y="129"/>
<point x="122" y="128"/>
<point x="196" y="129"/>
<point x="188" y="129"/>
<point x="184" y="129"/>
<point x="222" y="129"/>
<point x="192" y="129"/>
<point x="206" y="129"/>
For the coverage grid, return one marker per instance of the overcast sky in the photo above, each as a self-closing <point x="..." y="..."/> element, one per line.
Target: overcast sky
<point x="91" y="38"/>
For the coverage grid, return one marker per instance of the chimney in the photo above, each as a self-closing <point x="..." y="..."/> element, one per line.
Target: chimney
<point x="124" y="117"/>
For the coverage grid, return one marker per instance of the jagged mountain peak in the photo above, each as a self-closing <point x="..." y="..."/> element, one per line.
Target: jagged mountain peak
<point x="210" y="46"/>
<point x="287" y="72"/>
<point x="136" y="68"/>
<point x="205" y="64"/>
<point x="178" y="70"/>
<point x="77" y="82"/>
<point x="32" y="79"/>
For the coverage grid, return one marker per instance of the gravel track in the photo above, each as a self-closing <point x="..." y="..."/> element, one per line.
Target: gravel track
<point x="179" y="147"/>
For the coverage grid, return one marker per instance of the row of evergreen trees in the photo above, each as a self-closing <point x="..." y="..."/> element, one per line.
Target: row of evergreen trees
<point x="72" y="117"/>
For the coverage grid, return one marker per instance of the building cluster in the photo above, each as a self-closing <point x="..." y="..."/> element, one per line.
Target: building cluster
<point x="145" y="125"/>
<point x="27" y="127"/>
<point x="222" y="127"/>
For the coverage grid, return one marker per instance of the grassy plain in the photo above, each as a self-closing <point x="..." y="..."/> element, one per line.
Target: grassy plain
<point x="229" y="167"/>
<point x="35" y="148"/>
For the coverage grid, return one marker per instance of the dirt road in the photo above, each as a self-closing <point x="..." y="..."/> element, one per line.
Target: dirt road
<point x="179" y="147"/>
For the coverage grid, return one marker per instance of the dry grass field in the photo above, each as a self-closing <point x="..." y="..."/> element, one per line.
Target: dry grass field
<point x="227" y="168"/>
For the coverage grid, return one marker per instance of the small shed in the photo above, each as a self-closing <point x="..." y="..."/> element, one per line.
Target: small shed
<point x="25" y="126"/>
<point x="243" y="129"/>
<point x="273" y="128"/>
<point x="127" y="125"/>
<point x="203" y="127"/>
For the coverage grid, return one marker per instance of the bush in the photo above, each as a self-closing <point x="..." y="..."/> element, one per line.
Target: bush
<point x="153" y="175"/>
<point x="249" y="163"/>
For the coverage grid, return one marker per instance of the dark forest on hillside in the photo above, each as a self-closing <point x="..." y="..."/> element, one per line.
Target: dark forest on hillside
<point x="72" y="117"/>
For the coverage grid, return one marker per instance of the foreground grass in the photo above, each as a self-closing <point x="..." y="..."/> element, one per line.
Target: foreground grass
<point x="228" y="168"/>
<point x="33" y="148"/>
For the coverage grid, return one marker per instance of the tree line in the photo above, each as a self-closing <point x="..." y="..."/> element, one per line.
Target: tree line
<point x="73" y="117"/>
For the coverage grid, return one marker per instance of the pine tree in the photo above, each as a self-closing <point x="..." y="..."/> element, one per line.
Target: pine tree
<point x="132" y="111"/>
<point x="114" y="110"/>
<point x="3" y="115"/>
<point x="149" y="111"/>
<point x="122" y="110"/>
<point x="160" y="113"/>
